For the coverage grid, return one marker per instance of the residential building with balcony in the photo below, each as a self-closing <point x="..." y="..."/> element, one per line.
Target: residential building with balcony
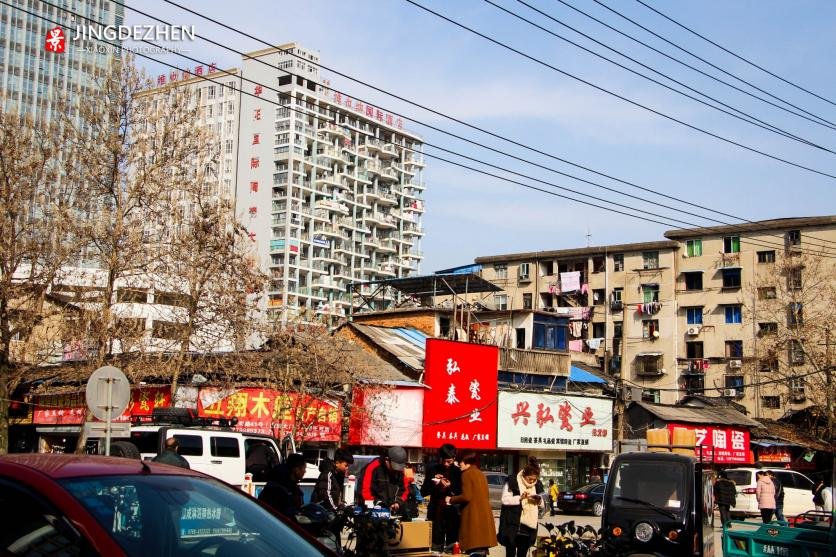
<point x="619" y="300"/>
<point x="752" y="307"/>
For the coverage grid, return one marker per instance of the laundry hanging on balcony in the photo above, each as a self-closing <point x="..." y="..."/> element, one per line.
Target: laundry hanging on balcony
<point x="570" y="282"/>
<point x="594" y="343"/>
<point x="576" y="345"/>
<point x="650" y="308"/>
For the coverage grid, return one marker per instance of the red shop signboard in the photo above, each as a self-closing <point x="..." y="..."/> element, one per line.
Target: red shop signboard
<point x="275" y="413"/>
<point x="460" y="406"/>
<point x="71" y="408"/>
<point x="723" y="445"/>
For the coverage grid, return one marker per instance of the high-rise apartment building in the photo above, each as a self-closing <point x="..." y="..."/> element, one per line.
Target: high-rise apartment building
<point x="330" y="188"/>
<point x="37" y="63"/>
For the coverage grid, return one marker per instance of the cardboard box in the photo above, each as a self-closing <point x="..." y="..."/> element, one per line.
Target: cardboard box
<point x="415" y="538"/>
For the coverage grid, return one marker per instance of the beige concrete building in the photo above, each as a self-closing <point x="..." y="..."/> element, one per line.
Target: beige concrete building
<point x="753" y="302"/>
<point x="619" y="298"/>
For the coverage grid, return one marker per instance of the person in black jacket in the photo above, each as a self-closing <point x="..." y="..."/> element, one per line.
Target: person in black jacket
<point x="725" y="495"/>
<point x="328" y="490"/>
<point x="383" y="482"/>
<point x="779" y="496"/>
<point x="282" y="490"/>
<point x="443" y="479"/>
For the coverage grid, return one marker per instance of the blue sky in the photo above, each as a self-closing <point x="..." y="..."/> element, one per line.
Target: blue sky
<point x="402" y="49"/>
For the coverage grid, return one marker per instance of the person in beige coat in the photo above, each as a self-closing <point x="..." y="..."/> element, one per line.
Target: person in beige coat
<point x="765" y="494"/>
<point x="477" y="532"/>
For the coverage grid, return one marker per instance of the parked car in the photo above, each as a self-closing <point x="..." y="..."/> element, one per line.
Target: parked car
<point x="95" y="505"/>
<point x="798" y="496"/>
<point x="585" y="499"/>
<point x="495" y="482"/>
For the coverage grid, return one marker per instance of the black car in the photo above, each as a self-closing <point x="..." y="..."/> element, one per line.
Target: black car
<point x="589" y="498"/>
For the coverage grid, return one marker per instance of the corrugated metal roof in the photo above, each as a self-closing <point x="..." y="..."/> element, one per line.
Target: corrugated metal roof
<point x="686" y="414"/>
<point x="405" y="343"/>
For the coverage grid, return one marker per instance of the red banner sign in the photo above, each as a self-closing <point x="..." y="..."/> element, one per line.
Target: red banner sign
<point x="461" y="405"/>
<point x="71" y="408"/>
<point x="723" y="445"/>
<point x="274" y="413"/>
<point x="775" y="454"/>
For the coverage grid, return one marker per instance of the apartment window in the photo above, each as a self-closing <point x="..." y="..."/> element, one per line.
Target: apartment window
<point x="548" y="268"/>
<point x="528" y="301"/>
<point x="228" y="146"/>
<point x="795" y="314"/>
<point x="767" y="293"/>
<point x="731" y="278"/>
<point x="797" y="385"/>
<point x="651" y="395"/>
<point x="599" y="330"/>
<point x="767" y="328"/>
<point x="794" y="279"/>
<point x="598" y="296"/>
<point x="650" y="260"/>
<point x="768" y="363"/>
<point x="501" y="301"/>
<point x="171" y="299"/>
<point x="693" y="248"/>
<point x="693" y="280"/>
<point x="230" y="107"/>
<point x="693" y="315"/>
<point x="731" y="244"/>
<point x="597" y="264"/>
<point x="694" y="350"/>
<point x="211" y="92"/>
<point x="522" y="272"/>
<point x="167" y="330"/>
<point x="650" y="293"/>
<point x="773" y="402"/>
<point x="734" y="349"/>
<point x="501" y="270"/>
<point x="617" y="294"/>
<point x="618" y="262"/>
<point x="796" y="352"/>
<point x="734" y="314"/>
<point x="128" y="295"/>
<point x="794" y="238"/>
<point x="650" y="328"/>
<point x="766" y="256"/>
<point x="209" y="110"/>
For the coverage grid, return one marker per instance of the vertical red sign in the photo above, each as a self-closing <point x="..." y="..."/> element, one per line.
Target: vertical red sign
<point x="461" y="404"/>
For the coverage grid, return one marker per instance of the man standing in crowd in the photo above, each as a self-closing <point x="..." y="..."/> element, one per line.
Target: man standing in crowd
<point x="282" y="490"/>
<point x="779" y="495"/>
<point x="443" y="479"/>
<point x="725" y="495"/>
<point x="170" y="455"/>
<point x="382" y="481"/>
<point x="329" y="489"/>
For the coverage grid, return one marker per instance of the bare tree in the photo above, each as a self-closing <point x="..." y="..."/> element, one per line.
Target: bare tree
<point x="794" y="314"/>
<point x="36" y="240"/>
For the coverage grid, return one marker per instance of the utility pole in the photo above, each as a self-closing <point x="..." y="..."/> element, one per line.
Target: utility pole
<point x="831" y="435"/>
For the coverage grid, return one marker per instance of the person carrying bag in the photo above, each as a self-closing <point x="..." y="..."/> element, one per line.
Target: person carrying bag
<point x="521" y="504"/>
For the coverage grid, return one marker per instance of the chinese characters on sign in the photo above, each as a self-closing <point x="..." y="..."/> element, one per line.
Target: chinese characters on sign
<point x="71" y="408"/>
<point x="459" y="408"/>
<point x="532" y="420"/>
<point x="274" y="413"/>
<point x="175" y="75"/>
<point x="724" y="445"/>
<point x="365" y="109"/>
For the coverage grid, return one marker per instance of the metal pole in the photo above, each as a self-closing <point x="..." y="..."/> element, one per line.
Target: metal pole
<point x="108" y="410"/>
<point x="829" y="393"/>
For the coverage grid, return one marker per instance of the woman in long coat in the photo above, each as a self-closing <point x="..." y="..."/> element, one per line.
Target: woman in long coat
<point x="765" y="494"/>
<point x="477" y="532"/>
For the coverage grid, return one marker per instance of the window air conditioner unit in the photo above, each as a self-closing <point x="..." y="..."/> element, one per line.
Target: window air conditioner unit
<point x="735" y="364"/>
<point x="729" y="392"/>
<point x="692" y="331"/>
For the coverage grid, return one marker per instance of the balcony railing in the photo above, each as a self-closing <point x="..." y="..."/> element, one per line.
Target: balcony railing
<point x="535" y="361"/>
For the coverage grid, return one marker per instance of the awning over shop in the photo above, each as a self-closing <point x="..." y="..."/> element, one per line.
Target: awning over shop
<point x="691" y="415"/>
<point x="579" y="375"/>
<point x="765" y="443"/>
<point x="649" y="354"/>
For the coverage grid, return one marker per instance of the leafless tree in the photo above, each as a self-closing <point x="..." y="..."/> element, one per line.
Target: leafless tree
<point x="794" y="314"/>
<point x="37" y="212"/>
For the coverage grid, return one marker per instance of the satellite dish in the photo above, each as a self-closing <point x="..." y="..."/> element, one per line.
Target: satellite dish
<point x="103" y="404"/>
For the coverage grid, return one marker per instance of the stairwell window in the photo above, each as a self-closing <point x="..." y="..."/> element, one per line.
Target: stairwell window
<point x="650" y="260"/>
<point x="693" y="248"/>
<point x="734" y="314"/>
<point x="618" y="262"/>
<point x="501" y="270"/>
<point x="528" y="301"/>
<point x="693" y="315"/>
<point x="796" y="352"/>
<point x="650" y="293"/>
<point x="501" y="302"/>
<point x="794" y="238"/>
<point x="731" y="244"/>
<point x="794" y="279"/>
<point x="795" y="314"/>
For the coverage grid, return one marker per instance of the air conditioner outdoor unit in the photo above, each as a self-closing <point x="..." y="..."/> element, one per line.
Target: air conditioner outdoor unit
<point x="692" y="331"/>
<point x="735" y="364"/>
<point x="729" y="392"/>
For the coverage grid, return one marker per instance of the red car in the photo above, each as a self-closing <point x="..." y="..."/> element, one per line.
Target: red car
<point x="80" y="505"/>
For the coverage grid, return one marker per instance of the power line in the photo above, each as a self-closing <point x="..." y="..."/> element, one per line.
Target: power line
<point x="477" y="128"/>
<point x="621" y="97"/>
<point x="817" y="119"/>
<point x="741" y="115"/>
<point x="799" y="87"/>
<point x="280" y="93"/>
<point x="701" y="59"/>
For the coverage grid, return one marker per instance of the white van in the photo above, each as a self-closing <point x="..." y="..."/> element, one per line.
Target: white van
<point x="798" y="494"/>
